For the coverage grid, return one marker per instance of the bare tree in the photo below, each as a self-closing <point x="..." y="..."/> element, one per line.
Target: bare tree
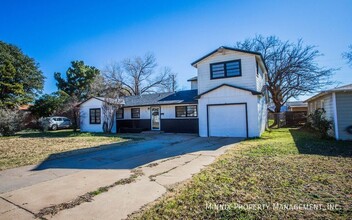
<point x="103" y="86"/>
<point x="348" y="55"/>
<point x="135" y="76"/>
<point x="292" y="68"/>
<point x="170" y="83"/>
<point x="110" y="106"/>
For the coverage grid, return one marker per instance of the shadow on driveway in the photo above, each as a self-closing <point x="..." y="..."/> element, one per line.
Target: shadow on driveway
<point x="132" y="155"/>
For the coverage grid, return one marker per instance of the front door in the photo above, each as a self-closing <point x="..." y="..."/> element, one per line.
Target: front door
<point x="155" y="117"/>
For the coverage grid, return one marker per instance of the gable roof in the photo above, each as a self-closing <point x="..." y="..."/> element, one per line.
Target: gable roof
<point x="232" y="86"/>
<point x="166" y="98"/>
<point x="344" y="88"/>
<point x="103" y="99"/>
<point x="180" y="97"/>
<point x="232" y="49"/>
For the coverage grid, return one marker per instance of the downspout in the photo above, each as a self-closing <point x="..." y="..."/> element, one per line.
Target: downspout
<point x="336" y="126"/>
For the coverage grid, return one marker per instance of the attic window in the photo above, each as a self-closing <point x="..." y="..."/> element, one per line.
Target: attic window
<point x="225" y="69"/>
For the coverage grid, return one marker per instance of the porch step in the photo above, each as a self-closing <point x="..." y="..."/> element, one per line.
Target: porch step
<point x="152" y="132"/>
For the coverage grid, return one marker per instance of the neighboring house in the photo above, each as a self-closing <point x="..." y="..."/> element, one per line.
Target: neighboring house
<point x="337" y="103"/>
<point x="294" y="106"/>
<point x="194" y="82"/>
<point x="227" y="99"/>
<point x="297" y="106"/>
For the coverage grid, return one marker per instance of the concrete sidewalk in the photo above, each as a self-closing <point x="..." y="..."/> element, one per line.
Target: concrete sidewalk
<point x="159" y="173"/>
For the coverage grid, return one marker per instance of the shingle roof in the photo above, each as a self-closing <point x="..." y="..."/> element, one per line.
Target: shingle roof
<point x="337" y="89"/>
<point x="180" y="97"/>
<point x="297" y="104"/>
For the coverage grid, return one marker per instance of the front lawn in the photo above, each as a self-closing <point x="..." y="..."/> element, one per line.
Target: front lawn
<point x="28" y="148"/>
<point x="286" y="174"/>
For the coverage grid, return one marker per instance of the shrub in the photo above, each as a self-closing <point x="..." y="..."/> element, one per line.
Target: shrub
<point x="10" y="122"/>
<point x="319" y="122"/>
<point x="44" y="124"/>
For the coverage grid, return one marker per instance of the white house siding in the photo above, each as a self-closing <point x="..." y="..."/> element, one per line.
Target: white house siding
<point x="85" y="125"/>
<point x="144" y="113"/>
<point x="260" y="78"/>
<point x="326" y="103"/>
<point x="225" y="95"/>
<point x="248" y="68"/>
<point x="169" y="111"/>
<point x="344" y="114"/>
<point x="262" y="114"/>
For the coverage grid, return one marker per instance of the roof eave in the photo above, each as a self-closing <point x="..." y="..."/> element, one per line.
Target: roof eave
<point x="232" y="86"/>
<point x="194" y="64"/>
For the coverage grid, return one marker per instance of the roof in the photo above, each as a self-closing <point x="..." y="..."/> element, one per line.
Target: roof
<point x="103" y="99"/>
<point x="344" y="88"/>
<point x="232" y="86"/>
<point x="24" y="107"/>
<point x="232" y="49"/>
<point x="166" y="98"/>
<point x="296" y="104"/>
<point x="287" y="105"/>
<point x="180" y="97"/>
<point x="193" y="79"/>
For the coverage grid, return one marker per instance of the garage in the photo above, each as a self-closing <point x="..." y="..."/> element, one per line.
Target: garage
<point x="227" y="120"/>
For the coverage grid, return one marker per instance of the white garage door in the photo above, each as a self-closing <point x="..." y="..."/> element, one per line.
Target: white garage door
<point x="227" y="121"/>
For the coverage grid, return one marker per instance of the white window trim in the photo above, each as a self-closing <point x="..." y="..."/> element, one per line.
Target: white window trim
<point x="336" y="126"/>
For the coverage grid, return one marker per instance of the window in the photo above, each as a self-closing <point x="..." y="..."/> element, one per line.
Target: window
<point x="186" y="111"/>
<point x="225" y="69"/>
<point x="94" y="115"/>
<point x="135" y="113"/>
<point x="119" y="113"/>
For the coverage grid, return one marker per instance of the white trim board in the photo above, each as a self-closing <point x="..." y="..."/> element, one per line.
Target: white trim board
<point x="336" y="126"/>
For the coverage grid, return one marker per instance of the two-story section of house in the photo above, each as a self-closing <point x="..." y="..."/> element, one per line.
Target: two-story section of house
<point x="227" y="99"/>
<point x="231" y="93"/>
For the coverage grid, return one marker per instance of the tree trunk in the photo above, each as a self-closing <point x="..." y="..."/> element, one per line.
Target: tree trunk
<point x="276" y="115"/>
<point x="74" y="120"/>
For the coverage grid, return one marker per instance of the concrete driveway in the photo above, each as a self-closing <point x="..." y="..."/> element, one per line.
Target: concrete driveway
<point x="162" y="161"/>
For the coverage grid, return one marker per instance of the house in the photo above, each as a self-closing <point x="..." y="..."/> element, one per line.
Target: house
<point x="337" y="103"/>
<point x="294" y="106"/>
<point x="227" y="99"/>
<point x="297" y="106"/>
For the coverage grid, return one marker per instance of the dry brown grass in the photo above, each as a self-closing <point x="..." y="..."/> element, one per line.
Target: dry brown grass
<point x="32" y="148"/>
<point x="285" y="166"/>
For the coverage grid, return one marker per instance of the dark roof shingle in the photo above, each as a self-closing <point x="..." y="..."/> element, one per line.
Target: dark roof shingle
<point x="180" y="97"/>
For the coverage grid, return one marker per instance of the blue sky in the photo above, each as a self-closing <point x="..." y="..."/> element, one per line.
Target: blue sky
<point x="177" y="32"/>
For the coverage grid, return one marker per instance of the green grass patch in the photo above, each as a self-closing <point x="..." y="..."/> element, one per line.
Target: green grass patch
<point x="281" y="172"/>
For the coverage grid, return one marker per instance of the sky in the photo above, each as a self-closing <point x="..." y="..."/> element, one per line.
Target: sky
<point x="55" y="33"/>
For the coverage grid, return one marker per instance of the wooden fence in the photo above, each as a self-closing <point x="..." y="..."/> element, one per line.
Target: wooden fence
<point x="289" y="119"/>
